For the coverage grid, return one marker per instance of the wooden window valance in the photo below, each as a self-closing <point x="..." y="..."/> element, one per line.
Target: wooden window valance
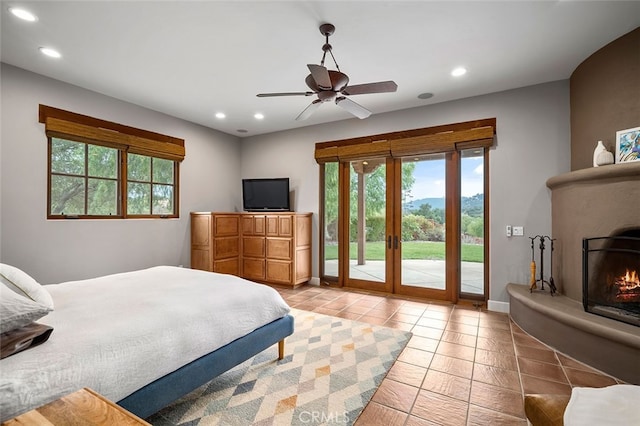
<point x="81" y="128"/>
<point x="447" y="138"/>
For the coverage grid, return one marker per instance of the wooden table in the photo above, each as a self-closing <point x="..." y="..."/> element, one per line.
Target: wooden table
<point x="82" y="408"/>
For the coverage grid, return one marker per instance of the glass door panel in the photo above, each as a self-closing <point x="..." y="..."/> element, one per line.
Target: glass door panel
<point x="367" y="225"/>
<point x="423" y="224"/>
<point x="472" y="223"/>
<point x="330" y="222"/>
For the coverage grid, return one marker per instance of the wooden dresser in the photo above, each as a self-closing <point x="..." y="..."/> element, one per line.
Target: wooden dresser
<point x="264" y="247"/>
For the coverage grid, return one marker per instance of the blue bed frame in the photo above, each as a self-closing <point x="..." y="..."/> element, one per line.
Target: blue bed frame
<point x="163" y="391"/>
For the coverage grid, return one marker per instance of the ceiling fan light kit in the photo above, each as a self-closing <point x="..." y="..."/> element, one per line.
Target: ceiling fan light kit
<point x="333" y="86"/>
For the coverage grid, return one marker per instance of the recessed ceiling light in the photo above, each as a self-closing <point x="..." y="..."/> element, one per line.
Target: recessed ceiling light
<point x="220" y="115"/>
<point x="258" y="116"/>
<point x="23" y="14"/>
<point x="242" y="130"/>
<point x="50" y="52"/>
<point x="425" y="95"/>
<point x="459" y="71"/>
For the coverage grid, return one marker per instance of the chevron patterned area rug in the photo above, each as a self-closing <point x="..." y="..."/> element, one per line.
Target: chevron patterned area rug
<point x="331" y="369"/>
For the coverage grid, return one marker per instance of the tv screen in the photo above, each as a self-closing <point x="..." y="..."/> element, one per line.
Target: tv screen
<point x="265" y="194"/>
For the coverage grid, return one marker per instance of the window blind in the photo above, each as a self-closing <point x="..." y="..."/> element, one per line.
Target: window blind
<point x="81" y="128"/>
<point x="447" y="138"/>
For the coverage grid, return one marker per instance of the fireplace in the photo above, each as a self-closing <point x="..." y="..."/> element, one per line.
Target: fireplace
<point x="611" y="276"/>
<point x="593" y="202"/>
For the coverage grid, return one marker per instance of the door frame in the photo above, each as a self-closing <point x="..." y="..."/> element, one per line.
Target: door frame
<point x="450" y="139"/>
<point x="344" y="185"/>
<point x="452" y="256"/>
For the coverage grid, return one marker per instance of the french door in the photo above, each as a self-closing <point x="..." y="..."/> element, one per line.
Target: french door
<point x="400" y="225"/>
<point x="365" y="239"/>
<point x="423" y="227"/>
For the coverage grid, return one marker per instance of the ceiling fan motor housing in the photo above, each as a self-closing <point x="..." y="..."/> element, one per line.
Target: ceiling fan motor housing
<point x="327" y="95"/>
<point x="338" y="82"/>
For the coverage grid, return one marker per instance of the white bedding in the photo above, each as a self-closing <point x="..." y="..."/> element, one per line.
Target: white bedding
<point x="117" y="333"/>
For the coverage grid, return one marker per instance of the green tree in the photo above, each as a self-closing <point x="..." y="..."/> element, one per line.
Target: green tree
<point x="376" y="189"/>
<point x="473" y="226"/>
<point x="84" y="181"/>
<point x="331" y="191"/>
<point x="407" y="180"/>
<point x="375" y="197"/>
<point x="374" y="192"/>
<point x="75" y="165"/>
<point x="331" y="201"/>
<point x="437" y="215"/>
<point x="473" y="205"/>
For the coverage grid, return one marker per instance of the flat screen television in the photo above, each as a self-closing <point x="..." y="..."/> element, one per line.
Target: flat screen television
<point x="265" y="194"/>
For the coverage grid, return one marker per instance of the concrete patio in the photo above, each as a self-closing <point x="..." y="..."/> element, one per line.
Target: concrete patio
<point x="416" y="273"/>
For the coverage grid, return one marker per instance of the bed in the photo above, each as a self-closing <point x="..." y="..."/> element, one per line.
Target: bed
<point x="143" y="338"/>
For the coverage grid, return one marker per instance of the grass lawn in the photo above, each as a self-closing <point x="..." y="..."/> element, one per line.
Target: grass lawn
<point x="411" y="250"/>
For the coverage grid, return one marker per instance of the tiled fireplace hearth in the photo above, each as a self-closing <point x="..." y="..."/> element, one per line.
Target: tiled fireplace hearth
<point x="588" y="203"/>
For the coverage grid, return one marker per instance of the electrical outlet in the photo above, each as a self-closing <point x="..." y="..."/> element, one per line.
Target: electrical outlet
<point x="508" y="230"/>
<point x="518" y="231"/>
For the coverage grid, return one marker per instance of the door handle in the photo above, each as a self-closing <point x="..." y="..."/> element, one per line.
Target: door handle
<point x="395" y="242"/>
<point x="389" y="242"/>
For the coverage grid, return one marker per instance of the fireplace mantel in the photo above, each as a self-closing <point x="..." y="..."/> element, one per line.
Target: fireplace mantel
<point x="594" y="202"/>
<point x="612" y="172"/>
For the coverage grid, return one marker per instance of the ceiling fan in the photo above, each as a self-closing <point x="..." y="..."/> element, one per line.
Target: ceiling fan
<point x="331" y="85"/>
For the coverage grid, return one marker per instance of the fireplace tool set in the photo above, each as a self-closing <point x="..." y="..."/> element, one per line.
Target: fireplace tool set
<point x="533" y="283"/>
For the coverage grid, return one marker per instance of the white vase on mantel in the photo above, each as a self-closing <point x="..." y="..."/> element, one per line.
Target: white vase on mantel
<point x="601" y="156"/>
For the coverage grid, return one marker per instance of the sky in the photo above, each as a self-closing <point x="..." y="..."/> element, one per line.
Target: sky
<point x="430" y="178"/>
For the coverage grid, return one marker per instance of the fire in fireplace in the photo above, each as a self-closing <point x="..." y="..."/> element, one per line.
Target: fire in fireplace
<point x="627" y="287"/>
<point x="611" y="276"/>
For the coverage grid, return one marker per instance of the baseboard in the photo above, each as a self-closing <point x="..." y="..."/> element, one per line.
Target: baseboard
<point x="495" y="306"/>
<point x="314" y="281"/>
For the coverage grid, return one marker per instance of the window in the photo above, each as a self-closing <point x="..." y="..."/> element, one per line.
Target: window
<point x="473" y="183"/>
<point x="150" y="185"/>
<point x="100" y="169"/>
<point x="83" y="179"/>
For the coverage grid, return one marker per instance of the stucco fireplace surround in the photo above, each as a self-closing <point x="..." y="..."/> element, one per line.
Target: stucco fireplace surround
<point x="587" y="203"/>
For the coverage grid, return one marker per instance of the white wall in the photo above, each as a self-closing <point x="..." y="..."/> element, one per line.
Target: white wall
<point x="533" y="144"/>
<point x="60" y="250"/>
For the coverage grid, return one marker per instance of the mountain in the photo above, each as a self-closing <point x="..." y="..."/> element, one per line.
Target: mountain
<point x="471" y="205"/>
<point x="435" y="203"/>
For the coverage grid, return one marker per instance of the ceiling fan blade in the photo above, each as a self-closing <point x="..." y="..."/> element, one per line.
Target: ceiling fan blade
<point x="379" y="87"/>
<point x="306" y="113"/>
<point x="269" y="95"/>
<point x="354" y="108"/>
<point x="321" y="76"/>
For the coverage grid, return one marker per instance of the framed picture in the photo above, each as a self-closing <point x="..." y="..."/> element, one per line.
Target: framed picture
<point x="628" y="145"/>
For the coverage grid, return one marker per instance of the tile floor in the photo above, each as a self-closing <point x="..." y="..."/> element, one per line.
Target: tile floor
<point x="463" y="366"/>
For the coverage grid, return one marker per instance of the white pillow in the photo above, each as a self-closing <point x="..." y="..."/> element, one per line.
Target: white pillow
<point x="22" y="283"/>
<point x="17" y="311"/>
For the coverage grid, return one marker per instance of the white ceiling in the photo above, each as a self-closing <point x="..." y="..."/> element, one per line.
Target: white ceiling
<point x="193" y="59"/>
